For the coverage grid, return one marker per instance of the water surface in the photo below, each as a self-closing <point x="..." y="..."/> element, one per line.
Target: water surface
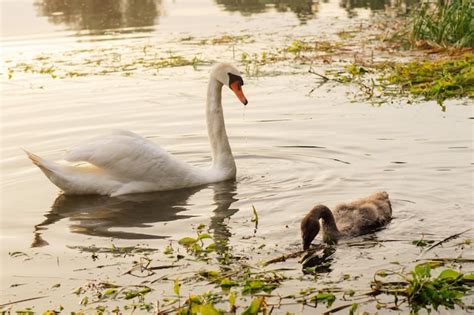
<point x="292" y="148"/>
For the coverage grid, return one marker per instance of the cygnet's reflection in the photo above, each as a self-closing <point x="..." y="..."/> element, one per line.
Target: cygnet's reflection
<point x="105" y="216"/>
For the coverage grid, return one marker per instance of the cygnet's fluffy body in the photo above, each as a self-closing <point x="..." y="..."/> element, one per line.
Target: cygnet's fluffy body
<point x="348" y="219"/>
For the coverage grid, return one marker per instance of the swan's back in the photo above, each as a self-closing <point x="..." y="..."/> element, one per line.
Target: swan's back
<point x="364" y="215"/>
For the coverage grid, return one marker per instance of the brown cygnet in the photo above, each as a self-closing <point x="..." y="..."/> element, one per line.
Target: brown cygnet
<point x="348" y="219"/>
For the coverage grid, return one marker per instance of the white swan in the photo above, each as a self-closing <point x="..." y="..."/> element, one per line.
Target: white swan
<point x="124" y="162"/>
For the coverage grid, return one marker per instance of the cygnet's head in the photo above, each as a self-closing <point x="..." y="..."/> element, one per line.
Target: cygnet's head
<point x="228" y="75"/>
<point x="310" y="225"/>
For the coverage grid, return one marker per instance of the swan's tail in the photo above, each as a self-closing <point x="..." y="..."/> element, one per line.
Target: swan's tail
<point x="75" y="179"/>
<point x="59" y="175"/>
<point x="48" y="168"/>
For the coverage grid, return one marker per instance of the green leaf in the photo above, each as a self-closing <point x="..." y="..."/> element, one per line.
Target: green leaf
<point x="353" y="308"/>
<point x="135" y="293"/>
<point x="252" y="286"/>
<point x="177" y="287"/>
<point x="210" y="274"/>
<point x="144" y="291"/>
<point x="226" y="283"/>
<point x="204" y="236"/>
<point x="449" y="274"/>
<point x="211" y="247"/>
<point x="130" y="295"/>
<point x="422" y="270"/>
<point x="254" y="307"/>
<point x="109" y="292"/>
<point x="187" y="241"/>
<point x="422" y="243"/>
<point x="194" y="299"/>
<point x="232" y="298"/>
<point x="468" y="277"/>
<point x="209" y="309"/>
<point x="168" y="250"/>
<point x="328" y="298"/>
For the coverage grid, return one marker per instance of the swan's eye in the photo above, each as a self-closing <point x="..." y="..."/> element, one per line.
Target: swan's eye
<point x="235" y="78"/>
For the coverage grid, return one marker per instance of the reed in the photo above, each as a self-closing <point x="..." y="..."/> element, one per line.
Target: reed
<point x="446" y="23"/>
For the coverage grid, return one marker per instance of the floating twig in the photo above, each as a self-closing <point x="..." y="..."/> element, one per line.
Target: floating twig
<point x="454" y="236"/>
<point x="24" y="300"/>
<point x="284" y="257"/>
<point x="340" y="308"/>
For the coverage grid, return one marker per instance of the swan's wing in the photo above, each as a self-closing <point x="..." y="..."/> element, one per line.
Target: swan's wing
<point x="129" y="156"/>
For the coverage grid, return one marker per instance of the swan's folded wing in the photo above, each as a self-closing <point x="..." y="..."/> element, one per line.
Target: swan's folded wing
<point x="127" y="155"/>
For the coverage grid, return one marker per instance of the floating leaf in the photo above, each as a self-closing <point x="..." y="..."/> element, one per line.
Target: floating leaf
<point x="226" y="284"/>
<point x="232" y="299"/>
<point x="254" y="306"/>
<point x="168" y="250"/>
<point x="449" y="274"/>
<point x="109" y="292"/>
<point x="136" y="293"/>
<point x="211" y="247"/>
<point x="204" y="236"/>
<point x="468" y="277"/>
<point x="353" y="308"/>
<point x="177" y="287"/>
<point x="209" y="309"/>
<point x="327" y="298"/>
<point x="422" y="270"/>
<point x="187" y="241"/>
<point x="422" y="243"/>
<point x="209" y="274"/>
<point x="252" y="287"/>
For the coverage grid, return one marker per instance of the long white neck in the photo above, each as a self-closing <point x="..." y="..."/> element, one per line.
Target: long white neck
<point x="222" y="158"/>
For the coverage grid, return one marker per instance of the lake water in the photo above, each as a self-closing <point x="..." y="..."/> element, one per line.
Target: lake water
<point x="293" y="148"/>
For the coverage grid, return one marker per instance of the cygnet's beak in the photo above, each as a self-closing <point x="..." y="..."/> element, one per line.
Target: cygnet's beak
<point x="237" y="88"/>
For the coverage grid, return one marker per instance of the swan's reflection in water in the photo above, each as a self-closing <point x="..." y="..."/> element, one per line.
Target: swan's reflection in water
<point x="105" y="216"/>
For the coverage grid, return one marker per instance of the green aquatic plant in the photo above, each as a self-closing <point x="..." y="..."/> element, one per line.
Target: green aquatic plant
<point x="434" y="80"/>
<point x="197" y="245"/>
<point x="445" y="23"/>
<point x="421" y="290"/>
<point x="422" y="243"/>
<point x="298" y="46"/>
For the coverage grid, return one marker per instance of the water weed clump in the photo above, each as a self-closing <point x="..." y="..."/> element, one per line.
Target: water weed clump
<point x="434" y="80"/>
<point x="448" y="23"/>
<point x="381" y="82"/>
<point x="421" y="290"/>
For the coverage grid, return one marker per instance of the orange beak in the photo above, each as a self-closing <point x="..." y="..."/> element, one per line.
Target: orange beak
<point x="237" y="88"/>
